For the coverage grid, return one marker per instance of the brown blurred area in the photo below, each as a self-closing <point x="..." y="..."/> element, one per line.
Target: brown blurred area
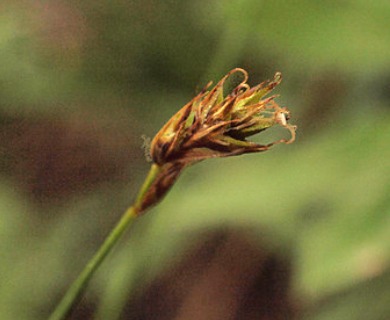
<point x="52" y="158"/>
<point x="225" y="275"/>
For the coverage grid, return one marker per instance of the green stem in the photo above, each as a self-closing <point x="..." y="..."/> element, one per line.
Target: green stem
<point x="76" y="289"/>
<point x="152" y="175"/>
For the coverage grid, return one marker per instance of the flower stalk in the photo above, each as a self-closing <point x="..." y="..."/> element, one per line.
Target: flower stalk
<point x="74" y="292"/>
<point x="211" y="125"/>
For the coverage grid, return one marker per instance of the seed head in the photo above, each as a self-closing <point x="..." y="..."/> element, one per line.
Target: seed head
<point x="212" y="125"/>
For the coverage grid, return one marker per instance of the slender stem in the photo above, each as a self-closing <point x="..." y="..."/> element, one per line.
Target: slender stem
<point x="152" y="175"/>
<point x="76" y="289"/>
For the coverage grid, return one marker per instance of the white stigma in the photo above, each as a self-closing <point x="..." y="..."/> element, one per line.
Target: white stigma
<point x="281" y="118"/>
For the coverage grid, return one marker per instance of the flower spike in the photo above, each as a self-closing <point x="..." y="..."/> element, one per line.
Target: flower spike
<point x="213" y="126"/>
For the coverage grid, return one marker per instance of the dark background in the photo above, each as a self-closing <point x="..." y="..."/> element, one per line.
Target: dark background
<point x="302" y="231"/>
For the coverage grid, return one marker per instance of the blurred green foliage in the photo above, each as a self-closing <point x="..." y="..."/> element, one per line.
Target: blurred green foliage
<point x="323" y="201"/>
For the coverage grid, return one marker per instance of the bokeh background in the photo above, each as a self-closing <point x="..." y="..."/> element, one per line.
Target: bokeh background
<point x="299" y="232"/>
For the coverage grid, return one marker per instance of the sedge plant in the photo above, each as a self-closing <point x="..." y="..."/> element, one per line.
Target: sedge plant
<point x="211" y="125"/>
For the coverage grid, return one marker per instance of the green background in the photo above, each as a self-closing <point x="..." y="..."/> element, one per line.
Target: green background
<point x="81" y="82"/>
